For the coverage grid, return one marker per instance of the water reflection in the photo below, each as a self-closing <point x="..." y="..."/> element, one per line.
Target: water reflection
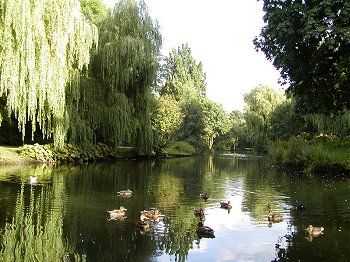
<point x="64" y="215"/>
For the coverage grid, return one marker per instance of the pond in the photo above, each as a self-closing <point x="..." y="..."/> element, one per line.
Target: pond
<point x="63" y="215"/>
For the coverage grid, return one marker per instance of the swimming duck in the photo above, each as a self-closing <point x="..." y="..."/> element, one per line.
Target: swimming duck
<point x="275" y="217"/>
<point x="117" y="213"/>
<point x="125" y="193"/>
<point x="204" y="196"/>
<point x="151" y="214"/>
<point x="226" y="205"/>
<point x="198" y="212"/>
<point x="142" y="224"/>
<point x="300" y="208"/>
<point x="204" y="230"/>
<point x="314" y="231"/>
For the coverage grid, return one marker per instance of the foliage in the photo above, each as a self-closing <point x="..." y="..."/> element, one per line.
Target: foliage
<point x="166" y="119"/>
<point x="309" y="43"/>
<point x="236" y="135"/>
<point x="320" y="153"/>
<point x="339" y="124"/>
<point x="260" y="103"/>
<point x="72" y="154"/>
<point x="94" y="10"/>
<point x="43" y="48"/>
<point x="127" y="63"/>
<point x="180" y="148"/>
<point x="181" y="76"/>
<point x="283" y="118"/>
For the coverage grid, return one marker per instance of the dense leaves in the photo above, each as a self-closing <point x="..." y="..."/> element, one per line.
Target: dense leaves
<point x="309" y="42"/>
<point x="44" y="46"/>
<point x="260" y="103"/>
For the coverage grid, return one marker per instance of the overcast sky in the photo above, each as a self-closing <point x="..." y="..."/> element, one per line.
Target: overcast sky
<point x="220" y="35"/>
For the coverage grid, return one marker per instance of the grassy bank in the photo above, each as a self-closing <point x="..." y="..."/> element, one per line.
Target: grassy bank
<point x="31" y="154"/>
<point x="322" y="153"/>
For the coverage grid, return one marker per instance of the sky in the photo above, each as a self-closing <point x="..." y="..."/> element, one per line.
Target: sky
<point x="220" y="35"/>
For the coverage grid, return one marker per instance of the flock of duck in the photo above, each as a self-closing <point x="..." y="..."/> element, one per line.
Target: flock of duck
<point x="145" y="216"/>
<point x="311" y="231"/>
<point x="202" y="231"/>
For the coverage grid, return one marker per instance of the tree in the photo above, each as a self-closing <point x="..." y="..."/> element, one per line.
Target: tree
<point x="181" y="76"/>
<point x="166" y="119"/>
<point x="123" y="71"/>
<point x="44" y="47"/>
<point x="260" y="103"/>
<point x="309" y="42"/>
<point x="204" y="121"/>
<point x="94" y="10"/>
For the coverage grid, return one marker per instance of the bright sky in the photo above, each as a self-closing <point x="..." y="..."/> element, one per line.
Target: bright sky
<point x="220" y="35"/>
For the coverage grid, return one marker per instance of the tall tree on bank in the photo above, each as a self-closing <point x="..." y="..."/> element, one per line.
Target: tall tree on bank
<point x="181" y="76"/>
<point x="44" y="47"/>
<point x="309" y="42"/>
<point x="127" y="64"/>
<point x="260" y="103"/>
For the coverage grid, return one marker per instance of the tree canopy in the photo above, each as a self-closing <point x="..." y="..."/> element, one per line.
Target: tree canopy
<point x="44" y="46"/>
<point x="181" y="76"/>
<point x="309" y="42"/>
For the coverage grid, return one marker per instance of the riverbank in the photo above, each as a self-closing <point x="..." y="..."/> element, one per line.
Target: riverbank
<point x="326" y="154"/>
<point x="36" y="153"/>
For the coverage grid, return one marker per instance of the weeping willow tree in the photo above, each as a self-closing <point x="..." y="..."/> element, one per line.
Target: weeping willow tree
<point x="126" y="64"/>
<point x="44" y="46"/>
<point x="331" y="124"/>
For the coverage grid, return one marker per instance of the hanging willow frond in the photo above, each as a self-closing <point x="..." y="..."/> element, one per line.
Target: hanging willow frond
<point x="42" y="44"/>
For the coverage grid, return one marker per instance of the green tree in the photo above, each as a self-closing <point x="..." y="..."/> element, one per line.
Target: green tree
<point x="122" y="72"/>
<point x="181" y="76"/>
<point x="260" y="103"/>
<point x="283" y="118"/>
<point x="204" y="121"/>
<point x="94" y="10"/>
<point x="236" y="136"/>
<point x="309" y="42"/>
<point x="166" y="119"/>
<point x="44" y="47"/>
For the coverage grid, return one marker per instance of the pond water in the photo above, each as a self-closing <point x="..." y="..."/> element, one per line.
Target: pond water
<point x="63" y="216"/>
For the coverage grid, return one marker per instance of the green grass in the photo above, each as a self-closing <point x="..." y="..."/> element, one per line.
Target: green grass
<point x="316" y="154"/>
<point x="180" y="148"/>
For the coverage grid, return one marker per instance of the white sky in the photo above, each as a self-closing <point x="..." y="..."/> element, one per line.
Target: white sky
<point x="220" y="35"/>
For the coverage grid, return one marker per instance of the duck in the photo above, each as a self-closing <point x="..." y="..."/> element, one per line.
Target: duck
<point x="226" y="205"/>
<point x="33" y="179"/>
<point x="314" y="231"/>
<point x="125" y="193"/>
<point x="300" y="208"/>
<point x="204" y="196"/>
<point x="142" y="224"/>
<point x="117" y="213"/>
<point x="150" y="214"/>
<point x="204" y="230"/>
<point x="198" y="212"/>
<point x="275" y="217"/>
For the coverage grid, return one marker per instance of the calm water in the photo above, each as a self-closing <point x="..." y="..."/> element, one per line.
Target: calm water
<point x="63" y="217"/>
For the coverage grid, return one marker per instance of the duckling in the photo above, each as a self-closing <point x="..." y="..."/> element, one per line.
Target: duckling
<point x="204" y="230"/>
<point x="124" y="193"/>
<point x="314" y="231"/>
<point x="117" y="213"/>
<point x="226" y="205"/>
<point x="204" y="196"/>
<point x="151" y="214"/>
<point x="275" y="217"/>
<point x="198" y="212"/>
